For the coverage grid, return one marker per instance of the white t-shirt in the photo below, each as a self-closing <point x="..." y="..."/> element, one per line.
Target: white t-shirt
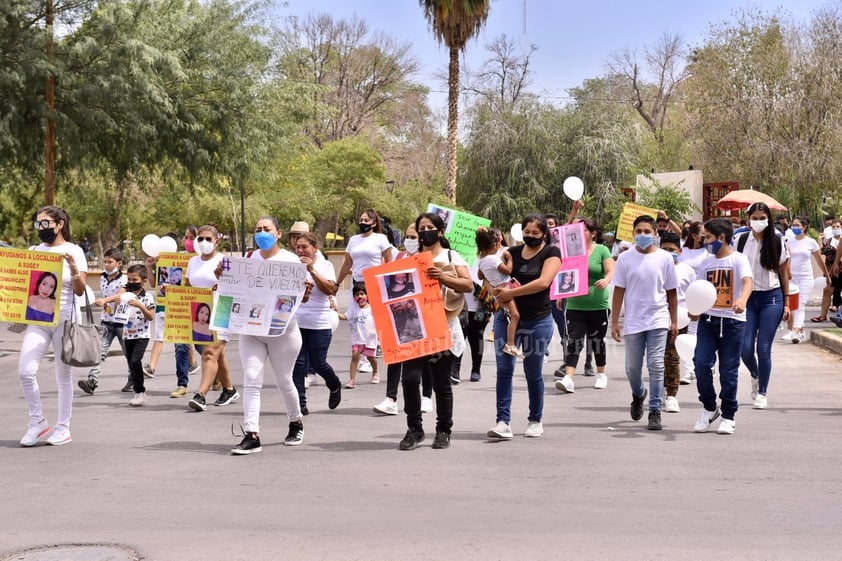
<point x="108" y="288"/>
<point x="366" y="251"/>
<point x="137" y="326"/>
<point x="66" y="282"/>
<point x="726" y="274"/>
<point x="488" y="265"/>
<point x="827" y="233"/>
<point x="800" y="254"/>
<point x="457" y="336"/>
<point x="315" y="313"/>
<point x="471" y="300"/>
<point x="361" y="324"/>
<point x="764" y="279"/>
<point x="686" y="275"/>
<point x="201" y="274"/>
<point x="282" y="255"/>
<point x="691" y="254"/>
<point x="646" y="277"/>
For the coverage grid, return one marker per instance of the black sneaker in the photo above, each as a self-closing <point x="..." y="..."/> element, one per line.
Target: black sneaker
<point x="476" y="376"/>
<point x="441" y="441"/>
<point x="560" y="372"/>
<point x="129" y="387"/>
<point x="88" y="385"/>
<point x="249" y="445"/>
<point x="455" y="379"/>
<point x="198" y="402"/>
<point x="227" y="397"/>
<point x="637" y="406"/>
<point x="334" y="398"/>
<point x="295" y="436"/>
<point x="412" y="439"/>
<point x="304" y="410"/>
<point x="654" y="420"/>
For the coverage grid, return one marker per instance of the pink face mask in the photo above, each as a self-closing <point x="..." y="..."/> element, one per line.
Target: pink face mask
<point x="188" y="245"/>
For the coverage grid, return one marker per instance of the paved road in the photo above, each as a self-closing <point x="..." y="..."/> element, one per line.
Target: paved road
<point x="596" y="486"/>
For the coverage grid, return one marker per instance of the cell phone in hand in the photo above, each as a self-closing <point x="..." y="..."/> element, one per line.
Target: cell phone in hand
<point x="513" y="283"/>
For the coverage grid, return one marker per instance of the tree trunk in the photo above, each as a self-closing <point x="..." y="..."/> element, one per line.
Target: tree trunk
<point x="452" y="123"/>
<point x="50" y="141"/>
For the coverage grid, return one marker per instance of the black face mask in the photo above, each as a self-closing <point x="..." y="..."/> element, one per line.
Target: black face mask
<point x="662" y="232"/>
<point x="365" y="228"/>
<point x="48" y="235"/>
<point x="133" y="286"/>
<point x="428" y="237"/>
<point x="532" y="242"/>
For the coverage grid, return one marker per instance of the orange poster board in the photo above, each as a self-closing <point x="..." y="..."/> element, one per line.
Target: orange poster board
<point x="408" y="309"/>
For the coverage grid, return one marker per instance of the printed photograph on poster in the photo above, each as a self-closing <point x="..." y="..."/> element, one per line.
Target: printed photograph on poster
<point x="41" y="304"/>
<point x="555" y="237"/>
<point x="567" y="282"/>
<point x="406" y="320"/>
<point x="256" y="311"/>
<point x="574" y="242"/>
<point x="284" y="305"/>
<point x="201" y="322"/>
<point x="442" y="213"/>
<point x="400" y="284"/>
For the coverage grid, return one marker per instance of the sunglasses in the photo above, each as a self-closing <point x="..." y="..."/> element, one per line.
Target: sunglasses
<point x="204" y="239"/>
<point x="43" y="224"/>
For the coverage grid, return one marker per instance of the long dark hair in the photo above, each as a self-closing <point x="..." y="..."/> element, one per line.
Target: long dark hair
<point x="438" y="223"/>
<point x="592" y="227"/>
<point x="58" y="215"/>
<point x="691" y="240"/>
<point x="770" y="250"/>
<point x="377" y="227"/>
<point x="41" y="278"/>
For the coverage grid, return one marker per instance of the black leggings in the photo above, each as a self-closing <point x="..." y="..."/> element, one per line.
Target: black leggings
<point x="592" y="324"/>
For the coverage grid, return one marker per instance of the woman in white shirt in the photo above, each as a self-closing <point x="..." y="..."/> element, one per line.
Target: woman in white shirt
<point x="367" y="249"/>
<point x="801" y="248"/>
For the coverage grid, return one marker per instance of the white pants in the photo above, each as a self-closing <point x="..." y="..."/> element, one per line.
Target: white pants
<point x="36" y="341"/>
<point x="805" y="287"/>
<point x="282" y="352"/>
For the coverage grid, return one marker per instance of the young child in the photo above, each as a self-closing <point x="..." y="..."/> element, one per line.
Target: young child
<point x="363" y="336"/>
<point x="496" y="271"/>
<point x="111" y="285"/>
<point x="136" y="331"/>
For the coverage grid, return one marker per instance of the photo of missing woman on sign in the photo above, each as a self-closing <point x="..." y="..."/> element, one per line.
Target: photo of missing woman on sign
<point x="41" y="305"/>
<point x="201" y="322"/>
<point x="399" y="284"/>
<point x="574" y="242"/>
<point x="281" y="314"/>
<point x="567" y="282"/>
<point x="407" y="321"/>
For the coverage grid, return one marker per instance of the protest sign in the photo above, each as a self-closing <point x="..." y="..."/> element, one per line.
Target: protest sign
<point x="572" y="278"/>
<point x="187" y="319"/>
<point x="30" y="286"/>
<point x="625" y="228"/>
<point x="408" y="309"/>
<point x="257" y="296"/>
<point x="461" y="230"/>
<point x="171" y="271"/>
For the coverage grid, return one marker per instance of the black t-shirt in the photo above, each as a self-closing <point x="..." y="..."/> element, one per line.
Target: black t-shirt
<point x="532" y="306"/>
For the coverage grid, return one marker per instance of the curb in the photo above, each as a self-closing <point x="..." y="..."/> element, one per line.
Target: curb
<point x="828" y="339"/>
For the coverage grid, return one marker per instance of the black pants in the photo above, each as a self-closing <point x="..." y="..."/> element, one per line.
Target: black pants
<point x="135" y="349"/>
<point x="438" y="367"/>
<point x="590" y="324"/>
<point x="393" y="380"/>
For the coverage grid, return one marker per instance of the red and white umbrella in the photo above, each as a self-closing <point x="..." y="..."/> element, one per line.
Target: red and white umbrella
<point x="744" y="198"/>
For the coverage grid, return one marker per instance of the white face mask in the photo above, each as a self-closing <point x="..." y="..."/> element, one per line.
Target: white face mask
<point x="759" y="225"/>
<point x="837" y="233"/>
<point x="110" y="272"/>
<point x="205" y="248"/>
<point x="410" y="245"/>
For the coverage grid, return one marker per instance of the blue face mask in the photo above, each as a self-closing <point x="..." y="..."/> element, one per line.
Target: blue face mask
<point x="643" y="241"/>
<point x="713" y="247"/>
<point x="265" y="240"/>
<point x="797" y="231"/>
<point x="674" y="257"/>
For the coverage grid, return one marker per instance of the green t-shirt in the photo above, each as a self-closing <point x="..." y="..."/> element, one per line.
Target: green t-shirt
<point x="596" y="298"/>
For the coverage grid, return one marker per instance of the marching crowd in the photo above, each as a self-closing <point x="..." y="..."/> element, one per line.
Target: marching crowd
<point x="752" y="268"/>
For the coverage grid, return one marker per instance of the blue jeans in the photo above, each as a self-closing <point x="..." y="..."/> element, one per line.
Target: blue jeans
<point x="763" y="314"/>
<point x="532" y="337"/>
<point x="182" y="363"/>
<point x="111" y="331"/>
<point x="724" y="335"/>
<point x="313" y="355"/>
<point x="653" y="343"/>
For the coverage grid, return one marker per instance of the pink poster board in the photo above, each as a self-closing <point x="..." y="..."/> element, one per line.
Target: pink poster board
<point x="572" y="279"/>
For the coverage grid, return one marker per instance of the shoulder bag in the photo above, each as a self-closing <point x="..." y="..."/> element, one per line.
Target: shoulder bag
<point x="81" y="343"/>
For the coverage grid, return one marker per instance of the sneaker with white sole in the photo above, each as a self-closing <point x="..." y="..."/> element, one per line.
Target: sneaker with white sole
<point x="295" y="436"/>
<point x="88" y="385"/>
<point x="60" y="436"/>
<point x="34" y="433"/>
<point x="138" y="400"/>
<point x="726" y="426"/>
<point x="686" y="379"/>
<point x="755" y="385"/>
<point x="249" y="445"/>
<point x="565" y="385"/>
<point x="194" y="367"/>
<point x="534" y="429"/>
<point x="600" y="382"/>
<point x="705" y="420"/>
<point x="364" y="366"/>
<point x="760" y="402"/>
<point x="426" y="405"/>
<point x="787" y="336"/>
<point x="671" y="404"/>
<point x="500" y="431"/>
<point x="387" y="407"/>
<point x="148" y="371"/>
<point x="180" y="391"/>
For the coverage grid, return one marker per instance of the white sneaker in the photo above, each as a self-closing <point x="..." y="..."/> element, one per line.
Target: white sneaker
<point x="387" y="407"/>
<point x="501" y="431"/>
<point x="364" y="366"/>
<point x="787" y="336"/>
<point x="138" y="400"/>
<point x="314" y="379"/>
<point x="60" y="436"/>
<point x="671" y="404"/>
<point x="686" y="379"/>
<point x="705" y="420"/>
<point x="34" y="433"/>
<point x="760" y="402"/>
<point x="534" y="429"/>
<point x="726" y="426"/>
<point x="755" y="384"/>
<point x="600" y="383"/>
<point x="426" y="405"/>
<point x="565" y="385"/>
<point x="306" y="382"/>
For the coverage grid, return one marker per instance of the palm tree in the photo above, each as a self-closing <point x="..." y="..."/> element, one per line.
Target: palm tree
<point x="454" y="22"/>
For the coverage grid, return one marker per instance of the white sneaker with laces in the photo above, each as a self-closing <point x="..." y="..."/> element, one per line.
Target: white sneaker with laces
<point x="364" y="366"/>
<point x="426" y="405"/>
<point x="760" y="402"/>
<point x="565" y="385"/>
<point x="138" y="400"/>
<point x="726" y="426"/>
<point x="534" y="429"/>
<point x="500" y="431"/>
<point x="705" y="420"/>
<point x="685" y="379"/>
<point x="386" y="407"/>
<point x="60" y="436"/>
<point x="671" y="404"/>
<point x="600" y="382"/>
<point x="34" y="433"/>
<point x="755" y="384"/>
<point x="787" y="336"/>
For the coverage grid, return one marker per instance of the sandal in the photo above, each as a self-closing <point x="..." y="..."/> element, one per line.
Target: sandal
<point x="818" y="319"/>
<point x="350" y="386"/>
<point x="375" y="379"/>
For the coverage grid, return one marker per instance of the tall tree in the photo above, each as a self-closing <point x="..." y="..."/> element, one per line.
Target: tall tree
<point x="454" y="22"/>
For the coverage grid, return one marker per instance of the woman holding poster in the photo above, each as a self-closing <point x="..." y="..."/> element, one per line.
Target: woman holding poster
<point x="281" y="350"/>
<point x="53" y="227"/>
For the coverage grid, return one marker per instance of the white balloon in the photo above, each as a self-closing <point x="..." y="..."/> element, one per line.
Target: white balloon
<point x="334" y="320"/>
<point x="685" y="344"/>
<point x="151" y="245"/>
<point x="574" y="188"/>
<point x="167" y="245"/>
<point x="683" y="317"/>
<point x="516" y="232"/>
<point x="700" y="296"/>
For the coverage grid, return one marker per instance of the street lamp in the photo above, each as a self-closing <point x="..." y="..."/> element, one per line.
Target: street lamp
<point x="390" y="185"/>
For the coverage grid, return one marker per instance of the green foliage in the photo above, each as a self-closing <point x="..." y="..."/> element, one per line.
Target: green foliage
<point x="670" y="198"/>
